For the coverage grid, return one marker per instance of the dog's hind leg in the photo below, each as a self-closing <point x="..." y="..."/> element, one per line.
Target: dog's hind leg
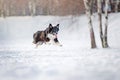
<point x="38" y="43"/>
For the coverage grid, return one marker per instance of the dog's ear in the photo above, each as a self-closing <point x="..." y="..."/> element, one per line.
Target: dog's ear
<point x="50" y="25"/>
<point x="57" y="25"/>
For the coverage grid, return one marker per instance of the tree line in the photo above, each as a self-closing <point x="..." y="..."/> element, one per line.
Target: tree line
<point x="40" y="7"/>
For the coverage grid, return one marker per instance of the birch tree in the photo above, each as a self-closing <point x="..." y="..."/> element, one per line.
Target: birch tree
<point x="99" y="4"/>
<point x="103" y="37"/>
<point x="32" y="7"/>
<point x="92" y="6"/>
<point x="2" y="8"/>
<point x="88" y="13"/>
<point x="106" y="25"/>
<point x="116" y="5"/>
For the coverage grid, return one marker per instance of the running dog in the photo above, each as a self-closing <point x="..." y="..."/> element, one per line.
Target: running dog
<point x="48" y="36"/>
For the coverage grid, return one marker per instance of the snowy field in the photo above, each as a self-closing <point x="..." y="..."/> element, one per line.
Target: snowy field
<point x="19" y="60"/>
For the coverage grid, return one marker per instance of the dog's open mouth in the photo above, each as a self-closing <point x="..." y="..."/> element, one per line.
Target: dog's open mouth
<point x="55" y="35"/>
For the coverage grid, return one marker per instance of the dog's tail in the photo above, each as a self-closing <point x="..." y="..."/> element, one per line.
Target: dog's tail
<point x="34" y="38"/>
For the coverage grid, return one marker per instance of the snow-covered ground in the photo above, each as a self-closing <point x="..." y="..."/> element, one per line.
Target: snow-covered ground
<point x="19" y="60"/>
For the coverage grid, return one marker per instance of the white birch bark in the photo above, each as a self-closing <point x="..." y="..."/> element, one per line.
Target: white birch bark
<point x="88" y="13"/>
<point x="99" y="4"/>
<point x="106" y="24"/>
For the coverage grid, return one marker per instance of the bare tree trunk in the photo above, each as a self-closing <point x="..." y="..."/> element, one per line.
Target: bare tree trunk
<point x="100" y="20"/>
<point x="32" y="7"/>
<point x="50" y="8"/>
<point x="11" y="12"/>
<point x="106" y="25"/>
<point x="7" y="10"/>
<point x="24" y="12"/>
<point x="103" y="37"/>
<point x="2" y="8"/>
<point x="116" y="5"/>
<point x="92" y="6"/>
<point x="88" y="13"/>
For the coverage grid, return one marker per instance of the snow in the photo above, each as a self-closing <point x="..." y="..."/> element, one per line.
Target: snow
<point x="20" y="60"/>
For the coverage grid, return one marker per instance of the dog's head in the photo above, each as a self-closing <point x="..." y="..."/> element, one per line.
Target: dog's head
<point x="54" y="30"/>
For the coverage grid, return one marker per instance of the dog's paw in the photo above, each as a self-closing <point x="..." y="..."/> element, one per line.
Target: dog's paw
<point x="60" y="45"/>
<point x="48" y="43"/>
<point x="36" y="47"/>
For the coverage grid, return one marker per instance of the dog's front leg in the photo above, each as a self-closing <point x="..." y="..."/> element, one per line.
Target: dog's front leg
<point x="56" y="42"/>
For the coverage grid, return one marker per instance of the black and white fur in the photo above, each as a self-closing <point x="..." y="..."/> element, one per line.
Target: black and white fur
<point x="48" y="36"/>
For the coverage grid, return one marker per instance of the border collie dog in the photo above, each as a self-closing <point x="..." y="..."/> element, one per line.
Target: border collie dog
<point x="48" y="36"/>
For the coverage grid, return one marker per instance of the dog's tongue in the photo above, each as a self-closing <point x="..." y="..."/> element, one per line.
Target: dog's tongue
<point x="55" y="35"/>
